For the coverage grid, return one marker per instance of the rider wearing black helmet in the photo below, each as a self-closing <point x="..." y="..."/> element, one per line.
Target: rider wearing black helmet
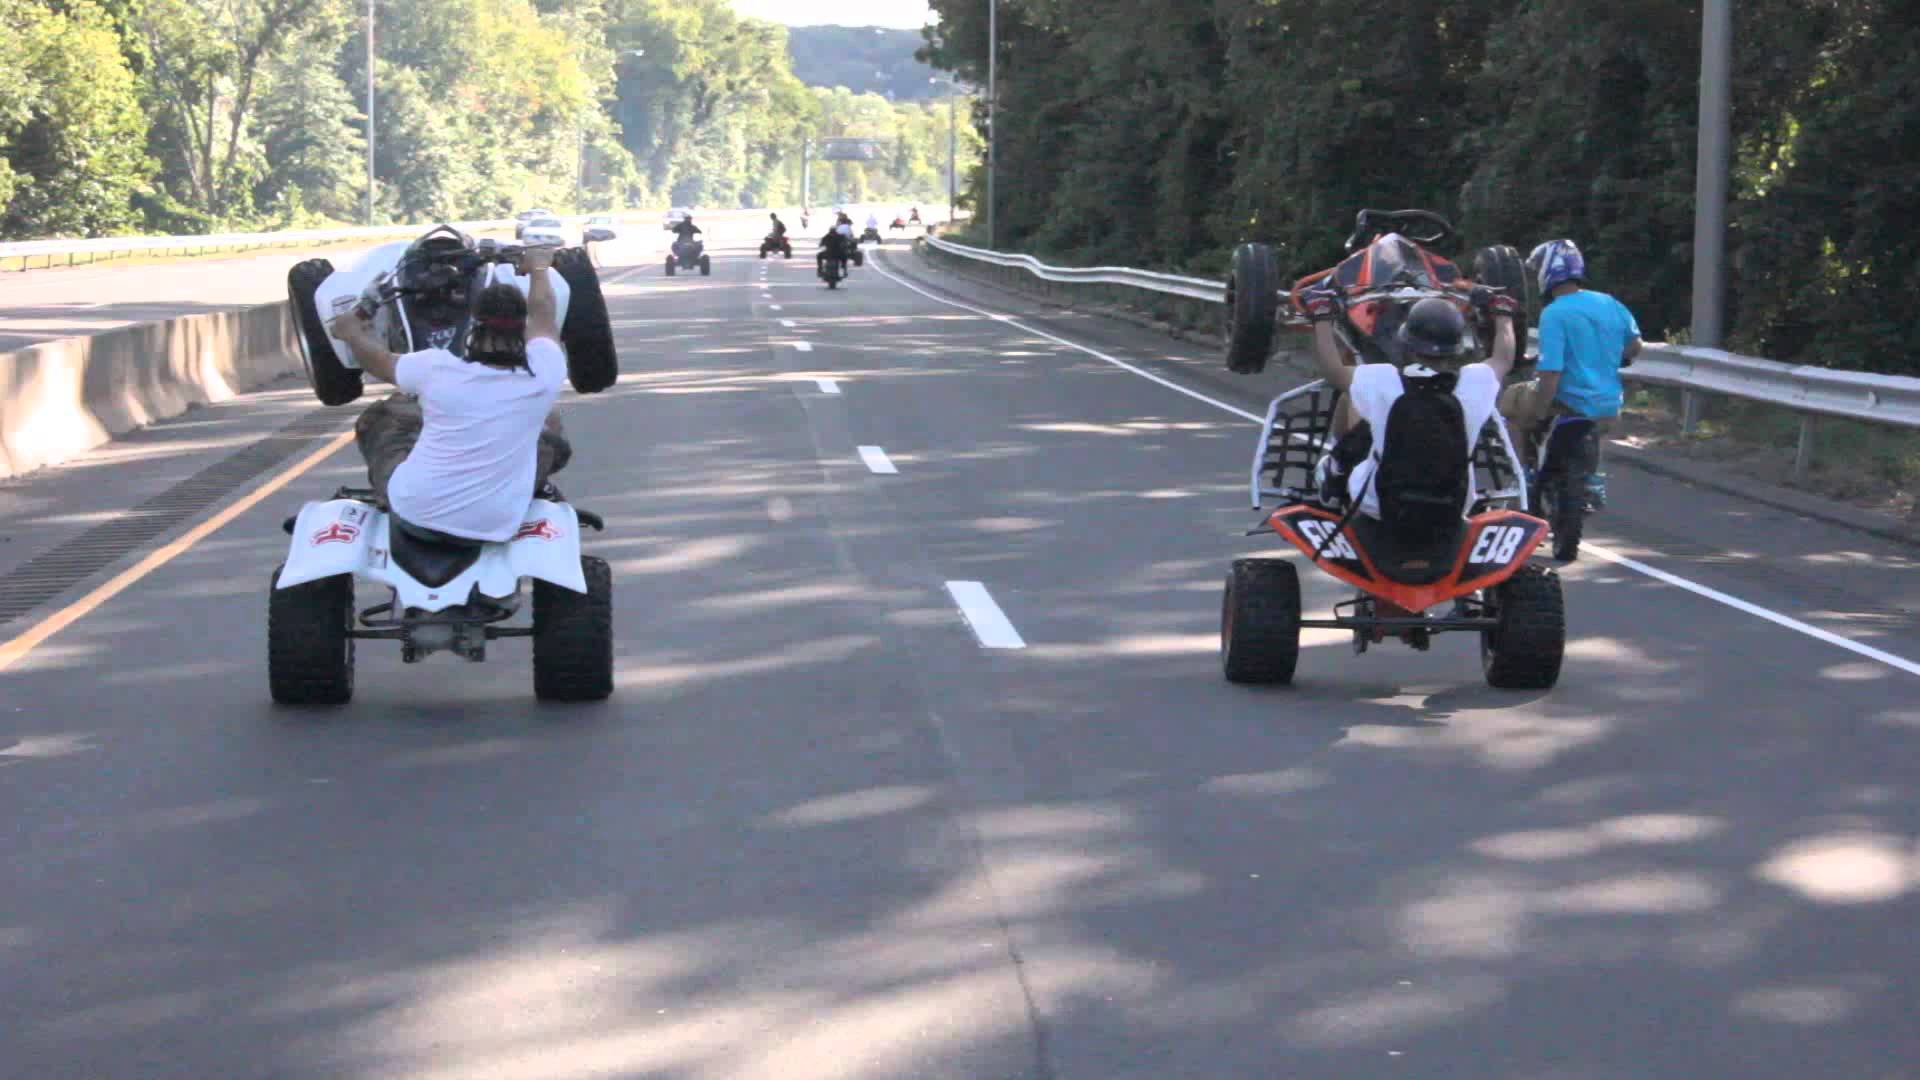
<point x="1435" y="341"/>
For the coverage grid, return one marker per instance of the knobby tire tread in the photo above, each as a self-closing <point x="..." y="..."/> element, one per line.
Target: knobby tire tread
<point x="309" y="652"/>
<point x="1260" y="622"/>
<point x="573" y="637"/>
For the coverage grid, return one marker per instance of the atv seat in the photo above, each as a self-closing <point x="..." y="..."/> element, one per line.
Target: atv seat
<point x="1409" y="563"/>
<point x="432" y="557"/>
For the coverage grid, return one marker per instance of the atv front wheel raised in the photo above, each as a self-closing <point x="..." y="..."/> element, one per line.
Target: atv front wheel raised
<point x="1253" y="305"/>
<point x="1500" y="267"/>
<point x="1525" y="650"/>
<point x="592" y="365"/>
<point x="573" y="637"/>
<point x="333" y="383"/>
<point x="1260" y="621"/>
<point x="309" y="652"/>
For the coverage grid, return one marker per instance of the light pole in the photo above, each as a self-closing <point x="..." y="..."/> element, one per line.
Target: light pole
<point x="993" y="96"/>
<point x="1710" y="188"/>
<point x="369" y="112"/>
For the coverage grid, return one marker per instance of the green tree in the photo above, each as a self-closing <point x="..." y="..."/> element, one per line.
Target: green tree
<point x="72" y="130"/>
<point x="208" y="64"/>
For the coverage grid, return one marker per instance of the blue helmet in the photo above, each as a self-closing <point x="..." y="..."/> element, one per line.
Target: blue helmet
<point x="1554" y="263"/>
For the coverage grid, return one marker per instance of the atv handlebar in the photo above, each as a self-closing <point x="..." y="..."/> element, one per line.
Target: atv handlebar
<point x="1420" y="226"/>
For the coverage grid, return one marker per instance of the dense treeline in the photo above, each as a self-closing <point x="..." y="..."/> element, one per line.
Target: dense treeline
<point x="1520" y="119"/>
<point x="182" y="116"/>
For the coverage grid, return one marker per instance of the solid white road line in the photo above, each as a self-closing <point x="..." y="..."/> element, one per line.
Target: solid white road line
<point x="803" y="346"/>
<point x="1755" y="610"/>
<point x="830" y="386"/>
<point x="989" y="623"/>
<point x="877" y="460"/>
<point x="1715" y="595"/>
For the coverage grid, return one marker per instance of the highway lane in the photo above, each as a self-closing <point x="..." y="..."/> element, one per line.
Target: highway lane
<point x="819" y="831"/>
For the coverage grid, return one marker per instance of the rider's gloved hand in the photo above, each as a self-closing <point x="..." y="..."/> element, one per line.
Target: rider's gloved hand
<point x="1320" y="303"/>
<point x="1491" y="303"/>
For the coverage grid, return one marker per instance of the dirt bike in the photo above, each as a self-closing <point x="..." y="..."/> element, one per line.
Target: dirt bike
<point x="1562" y="453"/>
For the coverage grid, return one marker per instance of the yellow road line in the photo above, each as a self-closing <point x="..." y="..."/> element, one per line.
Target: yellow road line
<point x="16" y="649"/>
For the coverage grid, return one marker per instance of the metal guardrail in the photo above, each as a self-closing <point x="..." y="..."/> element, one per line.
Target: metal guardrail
<point x="1810" y="391"/>
<point x="1173" y="284"/>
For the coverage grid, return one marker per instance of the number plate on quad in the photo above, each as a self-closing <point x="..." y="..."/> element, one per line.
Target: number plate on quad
<point x="1493" y="545"/>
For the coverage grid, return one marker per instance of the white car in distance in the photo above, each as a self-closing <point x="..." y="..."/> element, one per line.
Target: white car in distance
<point x="543" y="230"/>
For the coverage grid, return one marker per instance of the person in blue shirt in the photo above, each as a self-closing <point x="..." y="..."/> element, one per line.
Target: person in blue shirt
<point x="1586" y="337"/>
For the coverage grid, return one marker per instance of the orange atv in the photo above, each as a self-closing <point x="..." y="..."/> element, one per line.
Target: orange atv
<point x="1481" y="567"/>
<point x="1392" y="264"/>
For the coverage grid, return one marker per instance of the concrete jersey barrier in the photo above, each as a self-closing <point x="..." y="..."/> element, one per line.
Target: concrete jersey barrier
<point x="59" y="399"/>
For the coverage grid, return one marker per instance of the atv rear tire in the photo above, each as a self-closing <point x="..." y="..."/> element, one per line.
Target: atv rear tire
<point x="1501" y="267"/>
<point x="1253" y="305"/>
<point x="1524" y="652"/>
<point x="573" y="637"/>
<point x="309" y="652"/>
<point x="671" y="265"/>
<point x="1260" y="621"/>
<point x="706" y="266"/>
<point x="333" y="383"/>
<point x="592" y="364"/>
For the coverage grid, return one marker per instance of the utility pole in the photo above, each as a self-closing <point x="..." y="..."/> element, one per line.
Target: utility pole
<point x="806" y="175"/>
<point x="369" y="112"/>
<point x="993" y="100"/>
<point x="1710" y="188"/>
<point x="1710" y="172"/>
<point x="953" y="138"/>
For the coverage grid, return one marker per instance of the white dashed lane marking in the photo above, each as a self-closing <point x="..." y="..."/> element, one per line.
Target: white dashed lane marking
<point x="989" y="623"/>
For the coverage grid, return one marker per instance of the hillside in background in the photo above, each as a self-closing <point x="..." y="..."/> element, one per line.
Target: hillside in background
<point x="864" y="59"/>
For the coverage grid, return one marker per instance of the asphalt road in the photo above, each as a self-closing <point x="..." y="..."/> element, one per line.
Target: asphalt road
<point x="822" y="831"/>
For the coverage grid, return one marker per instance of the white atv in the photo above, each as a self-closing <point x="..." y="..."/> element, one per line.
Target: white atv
<point x="444" y="593"/>
<point x="418" y="293"/>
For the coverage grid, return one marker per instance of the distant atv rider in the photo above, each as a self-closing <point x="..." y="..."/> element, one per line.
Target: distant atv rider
<point x="1412" y="453"/>
<point x="779" y="228"/>
<point x="464" y="446"/>
<point x="685" y="230"/>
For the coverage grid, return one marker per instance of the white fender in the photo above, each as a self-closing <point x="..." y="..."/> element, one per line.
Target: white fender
<point x="548" y="546"/>
<point x="342" y="288"/>
<point x="343" y="536"/>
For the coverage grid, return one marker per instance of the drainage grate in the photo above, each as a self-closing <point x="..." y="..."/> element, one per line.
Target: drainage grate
<point x="48" y="575"/>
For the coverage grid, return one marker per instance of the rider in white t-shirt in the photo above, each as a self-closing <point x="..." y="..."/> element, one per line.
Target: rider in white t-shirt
<point x="464" y="454"/>
<point x="1434" y="338"/>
